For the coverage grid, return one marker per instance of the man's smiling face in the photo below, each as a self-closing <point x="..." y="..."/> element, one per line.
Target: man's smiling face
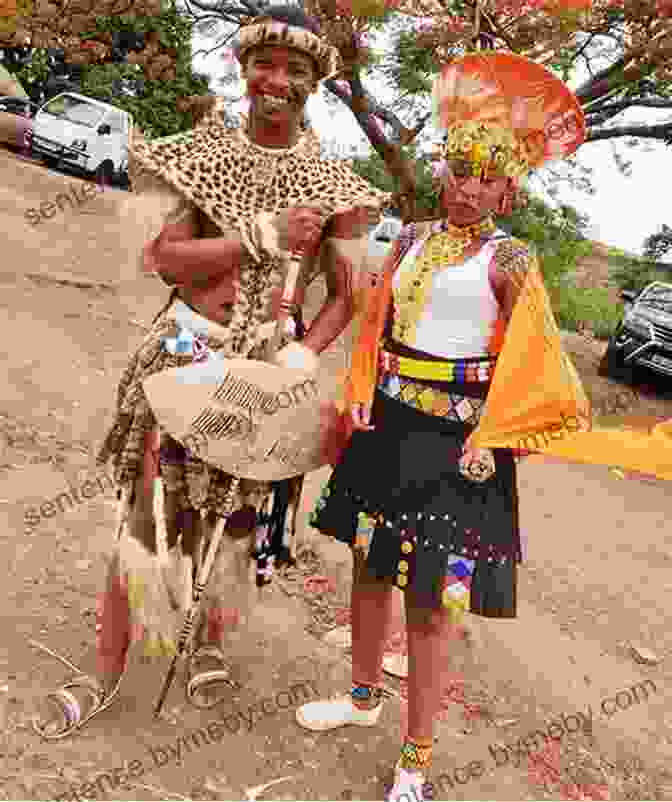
<point x="279" y="81"/>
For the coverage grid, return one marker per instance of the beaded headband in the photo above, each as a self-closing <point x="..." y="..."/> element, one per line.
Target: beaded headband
<point x="265" y="31"/>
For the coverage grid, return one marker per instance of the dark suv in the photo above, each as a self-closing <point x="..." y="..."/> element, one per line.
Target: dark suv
<point x="644" y="336"/>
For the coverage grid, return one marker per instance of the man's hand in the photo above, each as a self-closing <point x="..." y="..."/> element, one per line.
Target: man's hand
<point x="150" y="263"/>
<point x="299" y="228"/>
<point x="351" y="224"/>
<point x="181" y="257"/>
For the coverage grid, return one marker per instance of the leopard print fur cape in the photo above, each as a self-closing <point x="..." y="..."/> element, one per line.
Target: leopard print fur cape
<point x="231" y="179"/>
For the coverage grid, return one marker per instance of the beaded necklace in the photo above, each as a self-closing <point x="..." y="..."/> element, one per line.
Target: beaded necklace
<point x="445" y="247"/>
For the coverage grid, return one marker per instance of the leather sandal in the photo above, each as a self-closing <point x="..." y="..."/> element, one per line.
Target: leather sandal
<point x="198" y="680"/>
<point x="71" y="707"/>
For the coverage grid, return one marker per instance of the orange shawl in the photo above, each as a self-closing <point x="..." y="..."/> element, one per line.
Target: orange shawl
<point x="536" y="400"/>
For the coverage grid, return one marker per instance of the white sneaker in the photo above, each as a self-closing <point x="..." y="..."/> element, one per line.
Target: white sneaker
<point x="408" y="786"/>
<point x="330" y="714"/>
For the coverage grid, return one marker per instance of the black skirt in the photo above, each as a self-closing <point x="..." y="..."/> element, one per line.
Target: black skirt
<point x="405" y="474"/>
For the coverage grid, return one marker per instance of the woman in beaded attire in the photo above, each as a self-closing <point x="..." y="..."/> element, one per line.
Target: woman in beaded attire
<point x="422" y="509"/>
<point x="232" y="202"/>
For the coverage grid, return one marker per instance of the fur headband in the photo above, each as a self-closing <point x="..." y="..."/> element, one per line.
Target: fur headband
<point x="265" y="31"/>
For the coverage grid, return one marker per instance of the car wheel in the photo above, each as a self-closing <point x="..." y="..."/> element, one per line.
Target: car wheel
<point x="104" y="174"/>
<point x="612" y="366"/>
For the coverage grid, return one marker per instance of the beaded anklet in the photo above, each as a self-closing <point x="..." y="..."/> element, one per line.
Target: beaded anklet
<point x="366" y="697"/>
<point x="416" y="754"/>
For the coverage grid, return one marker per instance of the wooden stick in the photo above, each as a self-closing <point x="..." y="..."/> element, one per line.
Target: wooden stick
<point x="199" y="587"/>
<point x="57" y="656"/>
<point x="293" y="266"/>
<point x="477" y="25"/>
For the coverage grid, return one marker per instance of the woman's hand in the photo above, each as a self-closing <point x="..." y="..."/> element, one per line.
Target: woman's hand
<point x="477" y="464"/>
<point x="361" y="418"/>
<point x="469" y="453"/>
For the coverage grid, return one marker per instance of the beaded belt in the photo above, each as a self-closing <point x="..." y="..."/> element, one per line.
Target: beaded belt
<point x="441" y="403"/>
<point x="447" y="370"/>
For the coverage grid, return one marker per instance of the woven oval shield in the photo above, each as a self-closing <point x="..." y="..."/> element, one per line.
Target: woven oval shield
<point x="248" y="418"/>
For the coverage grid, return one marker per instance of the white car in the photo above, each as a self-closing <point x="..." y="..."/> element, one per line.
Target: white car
<point x="84" y="134"/>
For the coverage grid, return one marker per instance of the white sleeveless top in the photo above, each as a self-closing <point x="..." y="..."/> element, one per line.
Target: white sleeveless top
<point x="459" y="319"/>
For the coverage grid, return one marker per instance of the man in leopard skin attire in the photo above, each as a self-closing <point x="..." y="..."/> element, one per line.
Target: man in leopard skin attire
<point x="232" y="199"/>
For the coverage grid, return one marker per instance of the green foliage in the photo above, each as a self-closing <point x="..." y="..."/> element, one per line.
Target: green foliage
<point x="633" y="273"/>
<point x="657" y="245"/>
<point x="153" y="103"/>
<point x="593" y="308"/>
<point x="559" y="239"/>
<point x="413" y="67"/>
<point x="563" y="64"/>
<point x="173" y="27"/>
<point x="36" y="71"/>
<point x="556" y="234"/>
<point x="373" y="169"/>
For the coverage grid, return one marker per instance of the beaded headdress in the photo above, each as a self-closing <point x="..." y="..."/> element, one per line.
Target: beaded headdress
<point x="504" y="112"/>
<point x="263" y="31"/>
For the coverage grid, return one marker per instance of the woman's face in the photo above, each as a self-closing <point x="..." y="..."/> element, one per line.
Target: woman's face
<point x="279" y="81"/>
<point x="467" y="199"/>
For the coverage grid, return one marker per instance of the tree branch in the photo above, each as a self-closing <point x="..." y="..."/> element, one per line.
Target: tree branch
<point x="594" y="87"/>
<point x="496" y="30"/>
<point x="212" y="20"/>
<point x="662" y="132"/>
<point x="584" y="46"/>
<point x="222" y="8"/>
<point x="217" y="46"/>
<point x="391" y="154"/>
<point x="599" y="83"/>
<point x="408" y="136"/>
<point x="622" y="105"/>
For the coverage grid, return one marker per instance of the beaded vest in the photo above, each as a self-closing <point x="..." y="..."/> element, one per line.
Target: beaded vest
<point x="445" y="247"/>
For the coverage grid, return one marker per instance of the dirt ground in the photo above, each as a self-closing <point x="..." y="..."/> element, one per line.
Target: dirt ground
<point x="553" y="705"/>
